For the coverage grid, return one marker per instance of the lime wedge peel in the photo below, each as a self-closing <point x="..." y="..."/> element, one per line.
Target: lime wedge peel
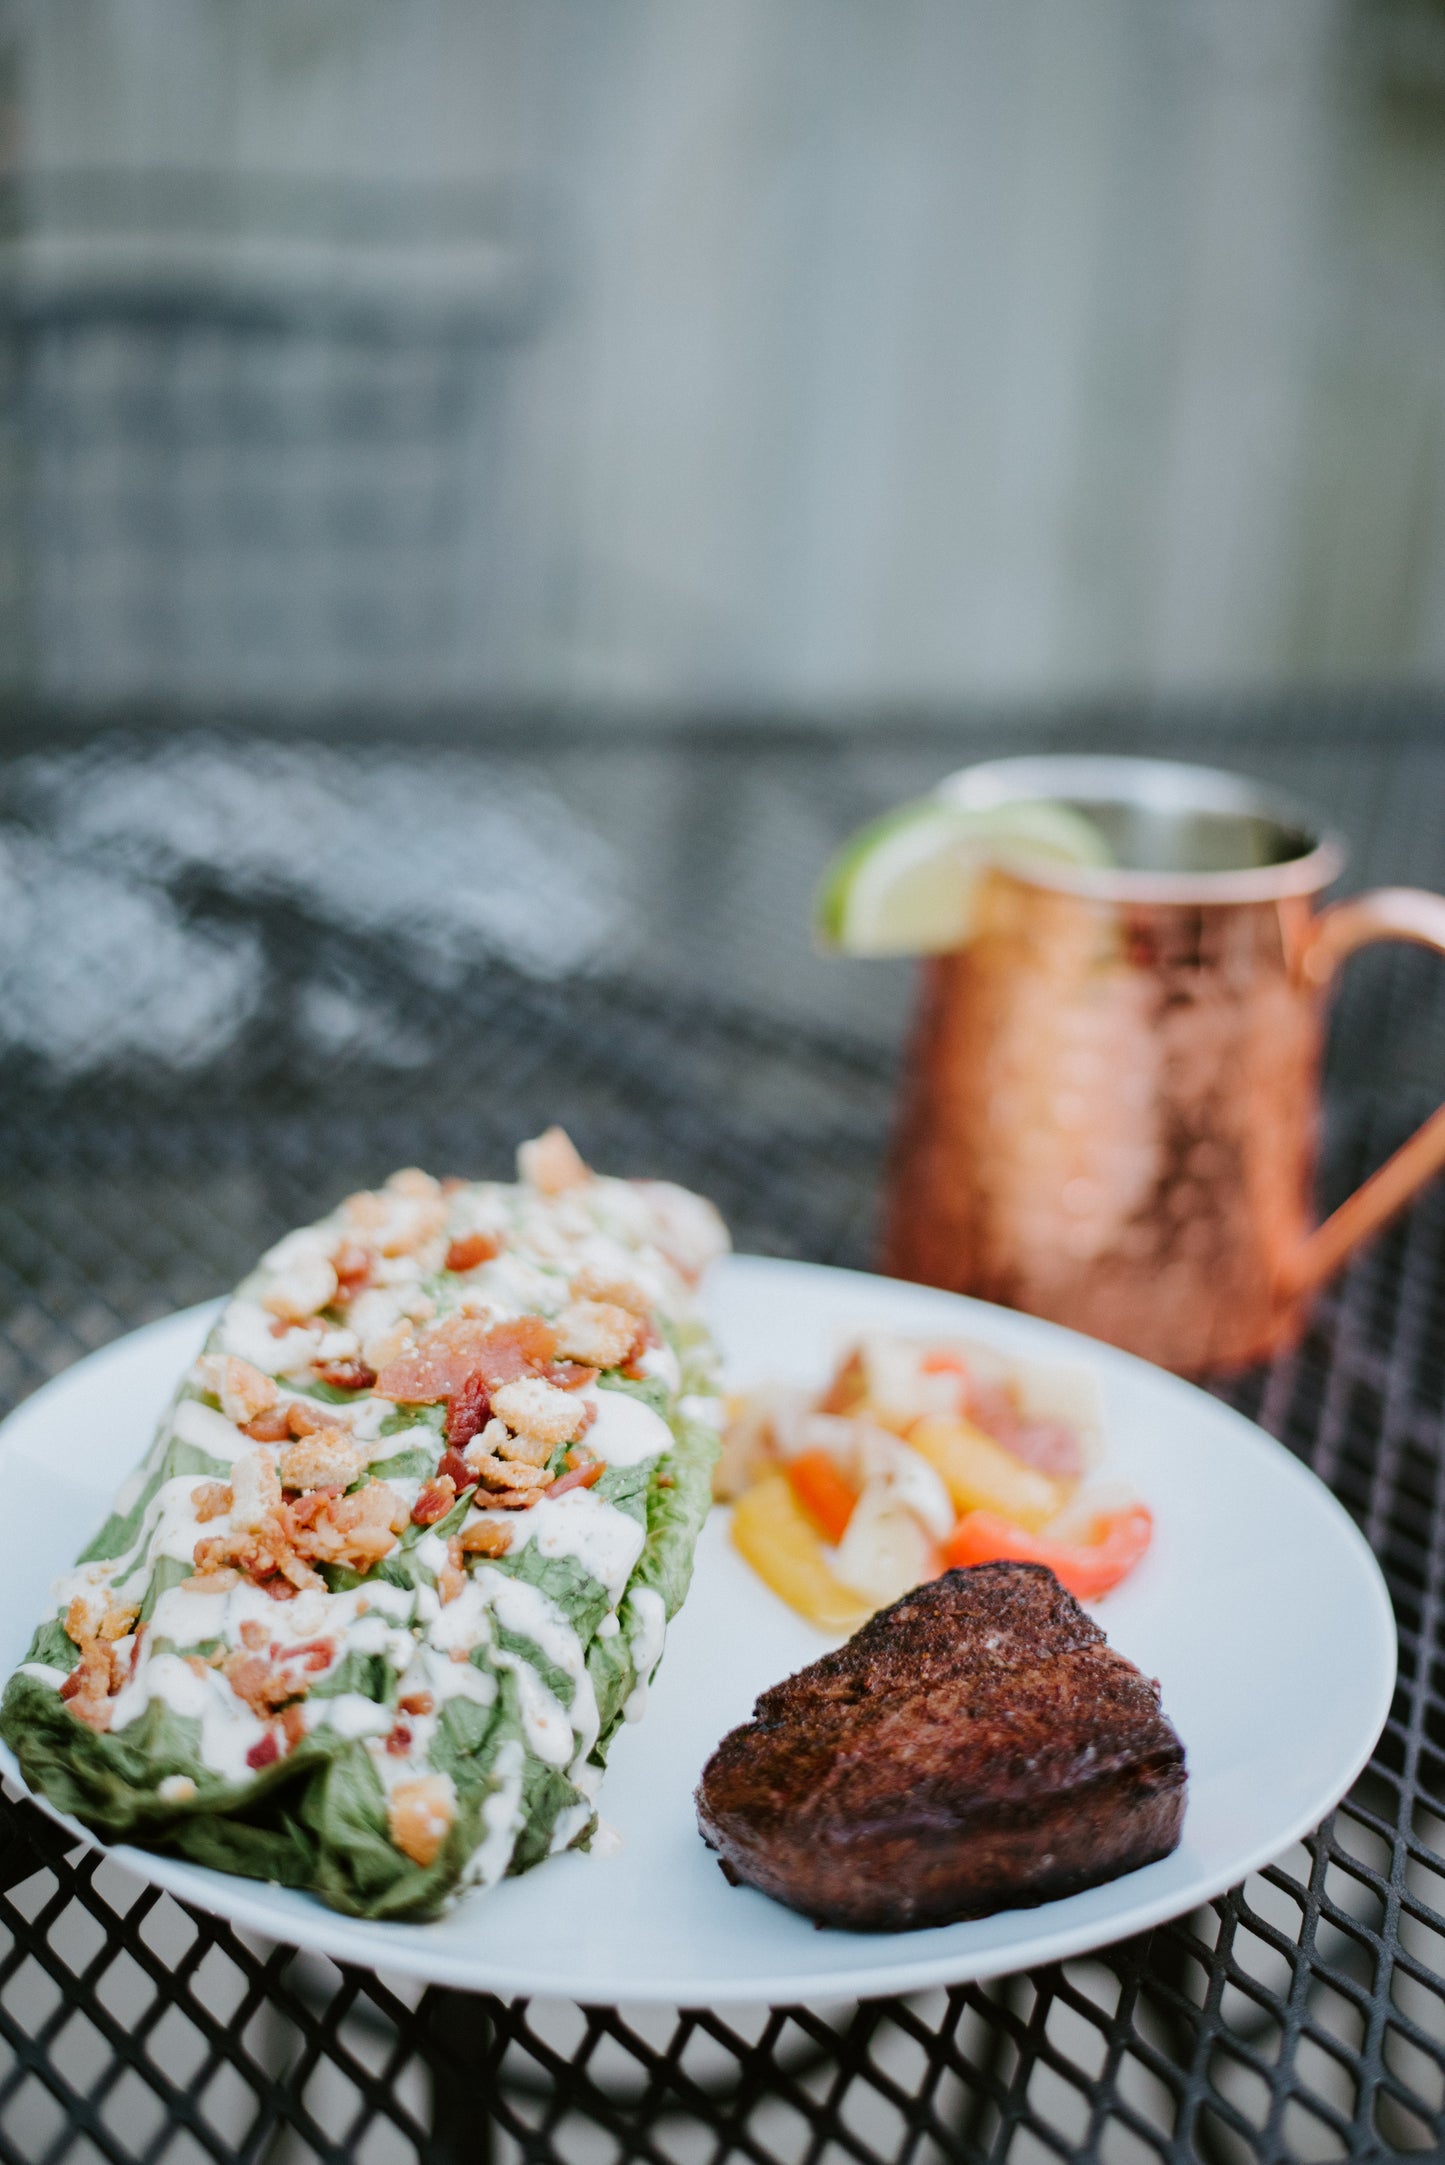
<point x="904" y="884"/>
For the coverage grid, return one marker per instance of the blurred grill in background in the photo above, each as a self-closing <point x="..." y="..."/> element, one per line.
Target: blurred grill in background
<point x="732" y="355"/>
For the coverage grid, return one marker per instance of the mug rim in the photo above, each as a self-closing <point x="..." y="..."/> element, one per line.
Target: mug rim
<point x="1164" y="785"/>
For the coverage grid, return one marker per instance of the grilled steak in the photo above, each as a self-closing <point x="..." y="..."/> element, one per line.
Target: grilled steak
<point x="978" y="1746"/>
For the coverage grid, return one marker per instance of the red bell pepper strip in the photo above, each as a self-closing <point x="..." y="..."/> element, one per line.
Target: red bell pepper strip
<point x="822" y="1492"/>
<point x="1087" y="1568"/>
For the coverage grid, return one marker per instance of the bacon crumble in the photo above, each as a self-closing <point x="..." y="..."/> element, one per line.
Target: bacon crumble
<point x="470" y="1250"/>
<point x="347" y="1375"/>
<point x="101" y="1669"/>
<point x="468" y="1412"/>
<point x="435" y="1500"/>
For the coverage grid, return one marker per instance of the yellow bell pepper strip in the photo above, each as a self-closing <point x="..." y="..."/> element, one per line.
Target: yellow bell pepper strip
<point x="824" y="1494"/>
<point x="774" y="1534"/>
<point x="1087" y="1568"/>
<point x="980" y="1475"/>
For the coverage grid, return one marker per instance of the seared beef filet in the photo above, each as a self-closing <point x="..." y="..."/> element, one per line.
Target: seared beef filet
<point x="978" y="1746"/>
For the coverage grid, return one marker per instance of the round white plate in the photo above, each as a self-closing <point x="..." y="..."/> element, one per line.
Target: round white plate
<point x="1259" y="1608"/>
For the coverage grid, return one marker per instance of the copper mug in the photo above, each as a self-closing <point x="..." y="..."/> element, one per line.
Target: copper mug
<point x="1110" y="1113"/>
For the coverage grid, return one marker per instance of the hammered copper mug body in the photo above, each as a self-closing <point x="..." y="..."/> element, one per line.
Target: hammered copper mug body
<point x="1109" y="1115"/>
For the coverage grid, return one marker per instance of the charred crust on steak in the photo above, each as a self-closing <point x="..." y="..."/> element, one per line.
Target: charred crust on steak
<point x="977" y="1746"/>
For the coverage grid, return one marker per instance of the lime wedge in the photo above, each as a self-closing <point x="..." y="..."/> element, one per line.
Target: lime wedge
<point x="904" y="885"/>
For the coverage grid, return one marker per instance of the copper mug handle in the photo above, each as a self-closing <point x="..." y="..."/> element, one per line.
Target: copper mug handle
<point x="1389" y="913"/>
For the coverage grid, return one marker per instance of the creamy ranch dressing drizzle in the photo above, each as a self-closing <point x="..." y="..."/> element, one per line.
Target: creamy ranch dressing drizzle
<point x="433" y="1671"/>
<point x="447" y="1679"/>
<point x="529" y="1612"/>
<point x="544" y="1722"/>
<point x="625" y="1431"/>
<point x="170" y="1528"/>
<point x="463" y="1623"/>
<point x="570" y="1822"/>
<point x="549" y="1242"/>
<point x="246" y="1332"/>
<point x="416" y="1438"/>
<point x="371" y="1635"/>
<point x="605" y="1541"/>
<point x="43" y="1673"/>
<point x="647" y="1620"/>
<point x="350" y="1714"/>
<point x="502" y="1818"/>
<point x="207" y="1430"/>
<point x="431" y="1550"/>
<point x="397" y="1602"/>
<point x="87" y="1583"/>
<point x="365" y="1417"/>
<point x="661" y="1361"/>
<point x="228" y="1728"/>
<point x="189" y="1619"/>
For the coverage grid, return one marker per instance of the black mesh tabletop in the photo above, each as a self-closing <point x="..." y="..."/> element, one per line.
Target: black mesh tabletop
<point x="242" y="971"/>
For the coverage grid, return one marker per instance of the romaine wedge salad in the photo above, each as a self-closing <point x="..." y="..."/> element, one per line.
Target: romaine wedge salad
<point x="402" y="1554"/>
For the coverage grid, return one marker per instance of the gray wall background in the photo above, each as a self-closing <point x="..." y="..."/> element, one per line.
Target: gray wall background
<point x="747" y="353"/>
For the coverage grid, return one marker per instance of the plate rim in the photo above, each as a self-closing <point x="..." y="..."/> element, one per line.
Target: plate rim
<point x="369" y="1943"/>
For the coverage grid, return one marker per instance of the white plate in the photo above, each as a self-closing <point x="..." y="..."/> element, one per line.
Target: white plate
<point x="1259" y="1607"/>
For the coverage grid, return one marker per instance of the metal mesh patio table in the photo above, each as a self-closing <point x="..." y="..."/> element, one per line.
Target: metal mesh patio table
<point x="243" y="970"/>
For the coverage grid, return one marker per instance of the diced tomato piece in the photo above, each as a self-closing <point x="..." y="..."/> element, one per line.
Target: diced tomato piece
<point x="823" y="1492"/>
<point x="347" y="1375"/>
<point x="575" y="1477"/>
<point x="1087" y="1568"/>
<point x="570" y="1375"/>
<point x="264" y="1752"/>
<point x="470" y="1250"/>
<point x="434" y="1502"/>
<point x="455" y="1469"/>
